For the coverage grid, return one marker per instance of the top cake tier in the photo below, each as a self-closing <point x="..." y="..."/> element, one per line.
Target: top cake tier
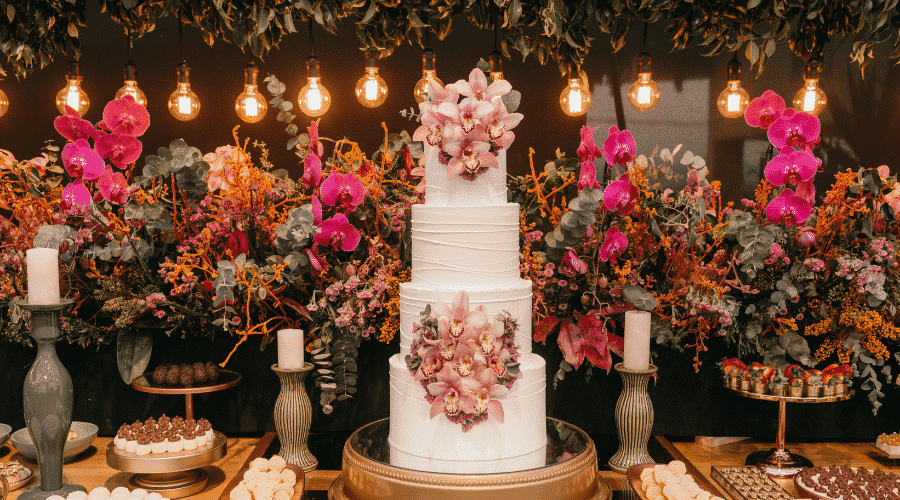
<point x="488" y="189"/>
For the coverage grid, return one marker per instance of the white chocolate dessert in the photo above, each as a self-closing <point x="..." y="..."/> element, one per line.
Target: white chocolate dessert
<point x="163" y="436"/>
<point x="266" y="479"/>
<point x="672" y="482"/>
<point x="103" y="493"/>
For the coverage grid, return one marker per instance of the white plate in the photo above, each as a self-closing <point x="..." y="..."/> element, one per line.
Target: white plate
<point x="5" y="430"/>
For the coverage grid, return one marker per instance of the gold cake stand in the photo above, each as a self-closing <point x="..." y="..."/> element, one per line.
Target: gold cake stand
<point x="172" y="475"/>
<point x="569" y="473"/>
<point x="227" y="379"/>
<point x="780" y="462"/>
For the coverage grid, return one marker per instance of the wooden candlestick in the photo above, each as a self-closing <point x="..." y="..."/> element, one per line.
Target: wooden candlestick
<point x="634" y="419"/>
<point x="293" y="415"/>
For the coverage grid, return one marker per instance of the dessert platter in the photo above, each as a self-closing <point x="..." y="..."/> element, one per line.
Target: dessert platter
<point x="843" y="483"/>
<point x="748" y="483"/>
<point x="144" y="449"/>
<point x="188" y="380"/>
<point x="16" y="474"/>
<point x="103" y="493"/>
<point x="266" y="479"/>
<point x="266" y="449"/>
<point x="670" y="481"/>
<point x="889" y="445"/>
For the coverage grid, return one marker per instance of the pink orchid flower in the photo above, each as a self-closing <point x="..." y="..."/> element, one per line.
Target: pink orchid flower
<point x="431" y="129"/>
<point x="339" y="233"/>
<point x="457" y="319"/>
<point x="588" y="149"/>
<point x="112" y="185"/>
<point x="478" y="89"/>
<point x="472" y="113"/>
<point x="588" y="176"/>
<point x="76" y="194"/>
<point x="791" y="167"/>
<point x="317" y="262"/>
<point x="500" y="124"/>
<point x="620" y="195"/>
<point x="795" y="128"/>
<point x="121" y="149"/>
<point x="124" y="116"/>
<point x="81" y="161"/>
<point x="807" y="191"/>
<point x="893" y="199"/>
<point x="619" y="147"/>
<point x="884" y="171"/>
<point x="315" y="145"/>
<point x="470" y="156"/>
<point x="764" y="110"/>
<point x="588" y="339"/>
<point x="454" y="395"/>
<point x="346" y="190"/>
<point x="438" y="94"/>
<point x="312" y="170"/>
<point x="316" y="210"/>
<point x="73" y="127"/>
<point x="789" y="209"/>
<point x="486" y="401"/>
<point x="571" y="259"/>
<point x="614" y="243"/>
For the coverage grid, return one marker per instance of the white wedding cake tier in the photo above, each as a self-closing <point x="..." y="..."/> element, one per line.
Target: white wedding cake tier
<point x="465" y="237"/>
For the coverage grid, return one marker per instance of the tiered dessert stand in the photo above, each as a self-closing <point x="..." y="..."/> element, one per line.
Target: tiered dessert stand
<point x="226" y="380"/>
<point x="569" y="472"/>
<point x="780" y="462"/>
<point x="172" y="475"/>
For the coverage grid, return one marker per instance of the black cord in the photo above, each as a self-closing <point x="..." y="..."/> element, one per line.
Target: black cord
<point x="180" y="37"/>
<point x="496" y="30"/>
<point x="644" y="43"/>
<point x="129" y="45"/>
<point x="312" y="41"/>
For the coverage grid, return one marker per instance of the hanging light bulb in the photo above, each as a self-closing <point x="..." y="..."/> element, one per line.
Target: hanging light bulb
<point x="644" y="92"/>
<point x="131" y="86"/>
<point x="371" y="90"/>
<point x="4" y="103"/>
<point x="314" y="99"/>
<point x="420" y="91"/>
<point x="184" y="103"/>
<point x="250" y="106"/>
<point x="733" y="100"/>
<point x="575" y="99"/>
<point x="496" y="62"/>
<point x="811" y="98"/>
<point x="72" y="95"/>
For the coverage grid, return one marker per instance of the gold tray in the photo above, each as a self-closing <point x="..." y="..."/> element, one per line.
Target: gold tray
<point x="769" y="490"/>
<point x="793" y="399"/>
<point x="157" y="463"/>
<point x="634" y="479"/>
<point x="267" y="447"/>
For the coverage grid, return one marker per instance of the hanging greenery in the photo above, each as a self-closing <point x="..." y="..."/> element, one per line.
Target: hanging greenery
<point x="33" y="32"/>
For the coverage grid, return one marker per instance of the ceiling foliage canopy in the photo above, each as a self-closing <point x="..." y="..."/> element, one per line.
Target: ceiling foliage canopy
<point x="35" y="32"/>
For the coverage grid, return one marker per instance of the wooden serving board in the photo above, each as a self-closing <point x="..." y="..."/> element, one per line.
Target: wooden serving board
<point x="634" y="479"/>
<point x="266" y="448"/>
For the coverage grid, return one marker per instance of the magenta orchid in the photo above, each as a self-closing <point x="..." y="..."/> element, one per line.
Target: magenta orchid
<point x="82" y="162"/>
<point x="346" y="190"/>
<point x="588" y="339"/>
<point x="571" y="259"/>
<point x="789" y="209"/>
<point x="121" y="149"/>
<point x="587" y="178"/>
<point x="620" y="195"/>
<point x="113" y="186"/>
<point x="587" y="149"/>
<point x="312" y="170"/>
<point x="764" y="110"/>
<point x="315" y="145"/>
<point x="614" y="244"/>
<point x="339" y="233"/>
<point x="75" y="194"/>
<point x="619" y="147"/>
<point x="73" y="127"/>
<point x="791" y="167"/>
<point x="807" y="191"/>
<point x="124" y="116"/>
<point x="795" y="128"/>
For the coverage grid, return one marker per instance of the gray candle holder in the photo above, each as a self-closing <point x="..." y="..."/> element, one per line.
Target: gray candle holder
<point x="293" y="415"/>
<point x="47" y="396"/>
<point x="634" y="419"/>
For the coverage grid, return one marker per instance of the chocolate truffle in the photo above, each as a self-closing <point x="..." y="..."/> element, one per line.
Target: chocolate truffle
<point x="159" y="375"/>
<point x="212" y="371"/>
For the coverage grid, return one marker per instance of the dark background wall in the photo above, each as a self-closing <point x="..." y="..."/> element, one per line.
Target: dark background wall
<point x="861" y="120"/>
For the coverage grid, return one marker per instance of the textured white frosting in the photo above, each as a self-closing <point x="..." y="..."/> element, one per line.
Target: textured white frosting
<point x="488" y="189"/>
<point x="439" y="445"/>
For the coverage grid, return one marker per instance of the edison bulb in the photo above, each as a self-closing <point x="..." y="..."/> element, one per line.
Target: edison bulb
<point x="73" y="96"/>
<point x="4" y="103"/>
<point x="371" y="89"/>
<point x="575" y="99"/>
<point x="733" y="100"/>
<point x="131" y="88"/>
<point x="644" y="93"/>
<point x="420" y="91"/>
<point x="251" y="106"/>
<point x="811" y="98"/>
<point x="314" y="99"/>
<point x="184" y="103"/>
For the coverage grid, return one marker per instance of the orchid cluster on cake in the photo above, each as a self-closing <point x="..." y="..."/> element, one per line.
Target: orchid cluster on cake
<point x="465" y="238"/>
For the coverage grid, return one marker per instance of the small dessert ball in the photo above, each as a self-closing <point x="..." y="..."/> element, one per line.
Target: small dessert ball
<point x="187" y="378"/>
<point x="173" y="376"/>
<point x="199" y="373"/>
<point x="176" y="367"/>
<point x="159" y="375"/>
<point x="212" y="371"/>
<point x="186" y="368"/>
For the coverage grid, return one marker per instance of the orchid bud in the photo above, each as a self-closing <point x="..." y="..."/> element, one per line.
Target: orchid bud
<point x="806" y="238"/>
<point x="585" y="299"/>
<point x="603" y="282"/>
<point x="350" y="269"/>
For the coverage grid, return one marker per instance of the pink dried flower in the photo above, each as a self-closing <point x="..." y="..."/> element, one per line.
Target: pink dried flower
<point x="764" y="110"/>
<point x="344" y="190"/>
<point x="619" y="147"/>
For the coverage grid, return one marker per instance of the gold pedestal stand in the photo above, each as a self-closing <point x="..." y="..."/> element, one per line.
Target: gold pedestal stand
<point x="368" y="475"/>
<point x="227" y="379"/>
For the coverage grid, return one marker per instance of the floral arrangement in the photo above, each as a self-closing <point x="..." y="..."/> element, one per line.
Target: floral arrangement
<point x="786" y="276"/>
<point x="465" y="362"/>
<point x="469" y="133"/>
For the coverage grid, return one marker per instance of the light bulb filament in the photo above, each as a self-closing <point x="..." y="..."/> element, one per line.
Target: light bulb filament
<point x="734" y="103"/>
<point x="314" y="98"/>
<point x="574" y="101"/>
<point x="184" y="104"/>
<point x="809" y="100"/>
<point x="644" y="94"/>
<point x="371" y="89"/>
<point x="251" y="107"/>
<point x="72" y="98"/>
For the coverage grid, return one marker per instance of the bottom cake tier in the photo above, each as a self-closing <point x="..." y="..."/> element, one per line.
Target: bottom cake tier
<point x="438" y="445"/>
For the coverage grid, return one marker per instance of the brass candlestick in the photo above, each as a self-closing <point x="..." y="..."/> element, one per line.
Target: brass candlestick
<point x="634" y="419"/>
<point x="293" y="414"/>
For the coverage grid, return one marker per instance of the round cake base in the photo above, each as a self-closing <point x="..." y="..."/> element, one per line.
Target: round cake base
<point x="366" y="475"/>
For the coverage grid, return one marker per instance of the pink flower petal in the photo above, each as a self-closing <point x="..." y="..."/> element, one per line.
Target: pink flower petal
<point x="76" y="194"/>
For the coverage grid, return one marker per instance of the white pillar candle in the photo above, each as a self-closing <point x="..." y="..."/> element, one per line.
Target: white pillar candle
<point x="637" y="340"/>
<point x="290" y="349"/>
<point x="43" y="275"/>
